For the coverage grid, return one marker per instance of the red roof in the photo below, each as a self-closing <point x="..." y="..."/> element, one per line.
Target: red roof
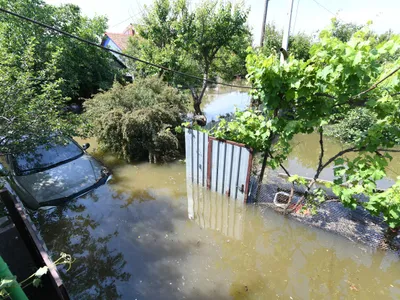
<point x="120" y="39"/>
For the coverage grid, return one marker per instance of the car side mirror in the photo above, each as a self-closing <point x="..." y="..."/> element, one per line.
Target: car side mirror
<point x="3" y="170"/>
<point x="85" y="146"/>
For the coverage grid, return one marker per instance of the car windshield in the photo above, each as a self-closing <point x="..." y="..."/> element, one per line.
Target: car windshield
<point x="46" y="156"/>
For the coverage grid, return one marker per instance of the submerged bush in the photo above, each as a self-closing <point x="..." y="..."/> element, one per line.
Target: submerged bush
<point x="354" y="126"/>
<point x="137" y="121"/>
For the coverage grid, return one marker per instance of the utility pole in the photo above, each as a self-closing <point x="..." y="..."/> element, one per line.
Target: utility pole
<point x="286" y="34"/>
<point x="264" y="23"/>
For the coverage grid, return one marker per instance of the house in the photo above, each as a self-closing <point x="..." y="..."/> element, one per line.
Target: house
<point x="118" y="42"/>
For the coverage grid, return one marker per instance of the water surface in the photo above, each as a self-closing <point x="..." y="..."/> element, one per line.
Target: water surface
<point x="221" y="102"/>
<point x="148" y="235"/>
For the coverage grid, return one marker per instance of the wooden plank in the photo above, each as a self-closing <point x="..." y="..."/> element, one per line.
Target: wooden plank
<point x="33" y="243"/>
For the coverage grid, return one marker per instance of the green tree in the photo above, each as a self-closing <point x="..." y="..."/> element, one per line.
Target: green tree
<point x="344" y="31"/>
<point x="212" y="27"/>
<point x="304" y="96"/>
<point x="31" y="108"/>
<point x="299" y="44"/>
<point x="207" y="42"/>
<point x="157" y="41"/>
<point x="85" y="69"/>
<point x="138" y="120"/>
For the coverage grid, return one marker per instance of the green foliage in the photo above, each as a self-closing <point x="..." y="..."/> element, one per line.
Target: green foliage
<point x="138" y="120"/>
<point x="31" y="102"/>
<point x="354" y="126"/>
<point x="207" y="42"/>
<point x="301" y="96"/>
<point x="35" y="278"/>
<point x="85" y="69"/>
<point x="297" y="180"/>
<point x="299" y="44"/>
<point x="158" y="40"/>
<point x="344" y="31"/>
<point x="248" y="127"/>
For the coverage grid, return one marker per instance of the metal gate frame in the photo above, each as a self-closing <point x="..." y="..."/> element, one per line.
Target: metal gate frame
<point x="244" y="188"/>
<point x="199" y="154"/>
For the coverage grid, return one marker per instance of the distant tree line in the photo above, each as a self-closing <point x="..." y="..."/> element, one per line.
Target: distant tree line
<point x="42" y="71"/>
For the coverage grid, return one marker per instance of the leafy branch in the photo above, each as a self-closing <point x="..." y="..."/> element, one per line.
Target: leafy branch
<point x="35" y="278"/>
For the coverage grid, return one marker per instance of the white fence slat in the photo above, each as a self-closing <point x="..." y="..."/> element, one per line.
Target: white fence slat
<point x="189" y="154"/>
<point x="229" y="165"/>
<point x="221" y="165"/>
<point x="228" y="169"/>
<point x="214" y="165"/>
<point x="195" y="169"/>
<point x="235" y="170"/>
<point x="205" y="159"/>
<point x="243" y="163"/>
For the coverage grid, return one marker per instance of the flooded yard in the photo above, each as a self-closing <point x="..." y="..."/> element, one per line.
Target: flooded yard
<point x="148" y="234"/>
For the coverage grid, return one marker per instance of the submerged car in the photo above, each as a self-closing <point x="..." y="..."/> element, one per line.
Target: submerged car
<point x="53" y="174"/>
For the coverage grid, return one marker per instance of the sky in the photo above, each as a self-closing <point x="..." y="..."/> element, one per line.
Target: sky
<point x="308" y="16"/>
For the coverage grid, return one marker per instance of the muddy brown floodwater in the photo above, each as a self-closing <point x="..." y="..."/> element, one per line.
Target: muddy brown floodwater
<point x="148" y="235"/>
<point x="304" y="158"/>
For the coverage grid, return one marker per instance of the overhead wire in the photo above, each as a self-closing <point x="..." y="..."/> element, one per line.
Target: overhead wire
<point x="130" y="18"/>
<point x="118" y="52"/>
<point x="324" y="7"/>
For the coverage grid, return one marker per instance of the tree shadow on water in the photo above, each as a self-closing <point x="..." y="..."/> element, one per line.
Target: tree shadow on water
<point x="96" y="267"/>
<point x="123" y="249"/>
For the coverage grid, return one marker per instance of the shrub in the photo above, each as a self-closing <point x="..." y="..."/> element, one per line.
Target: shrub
<point x="354" y="126"/>
<point x="137" y="121"/>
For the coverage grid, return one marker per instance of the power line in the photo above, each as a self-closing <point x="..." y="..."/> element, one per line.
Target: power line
<point x="115" y="25"/>
<point x="117" y="52"/>
<point x="130" y="18"/>
<point x="324" y="7"/>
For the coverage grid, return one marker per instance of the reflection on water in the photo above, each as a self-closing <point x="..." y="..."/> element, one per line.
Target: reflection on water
<point x="215" y="211"/>
<point x="304" y="158"/>
<point x="149" y="235"/>
<point x="146" y="236"/>
<point x="216" y="103"/>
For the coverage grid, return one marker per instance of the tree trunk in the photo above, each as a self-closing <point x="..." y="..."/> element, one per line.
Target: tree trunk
<point x="197" y="98"/>
<point x="197" y="108"/>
